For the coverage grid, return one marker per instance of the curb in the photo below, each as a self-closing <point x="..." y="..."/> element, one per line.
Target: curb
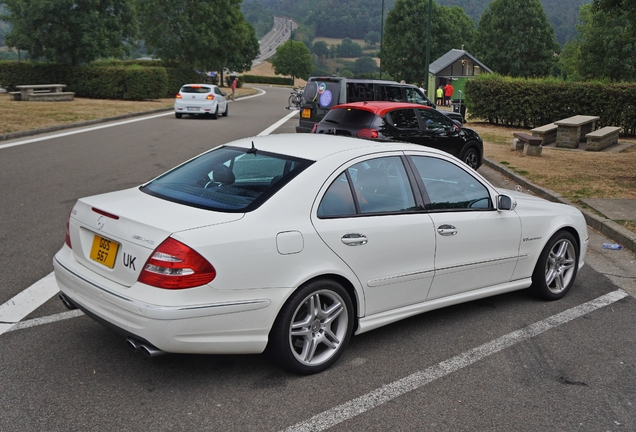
<point x="605" y="226"/>
<point x="14" y="135"/>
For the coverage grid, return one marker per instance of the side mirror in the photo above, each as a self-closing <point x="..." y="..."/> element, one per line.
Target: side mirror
<point x="224" y="93"/>
<point x="505" y="203"/>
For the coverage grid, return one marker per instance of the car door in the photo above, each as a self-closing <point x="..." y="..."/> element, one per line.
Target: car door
<point x="382" y="234"/>
<point x="440" y="132"/>
<point x="477" y="246"/>
<point x="403" y="125"/>
<point x="222" y="100"/>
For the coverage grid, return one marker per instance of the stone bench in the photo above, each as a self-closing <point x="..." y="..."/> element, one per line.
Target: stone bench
<point x="51" y="96"/>
<point x="531" y="145"/>
<point x="15" y="96"/>
<point x="602" y="138"/>
<point x="547" y="133"/>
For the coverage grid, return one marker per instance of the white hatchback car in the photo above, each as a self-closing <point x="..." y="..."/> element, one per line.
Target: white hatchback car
<point x="201" y="99"/>
<point x="295" y="242"/>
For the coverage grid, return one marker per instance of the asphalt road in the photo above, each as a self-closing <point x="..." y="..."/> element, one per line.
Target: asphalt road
<point x="505" y="363"/>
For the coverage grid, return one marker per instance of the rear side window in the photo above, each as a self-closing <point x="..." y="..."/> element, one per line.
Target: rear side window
<point x="389" y="93"/>
<point x="195" y="89"/>
<point x="227" y="179"/>
<point x="404" y="119"/>
<point x="349" y="117"/>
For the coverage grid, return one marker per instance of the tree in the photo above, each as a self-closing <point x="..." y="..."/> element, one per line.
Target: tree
<point x="349" y="48"/>
<point x="626" y="8"/>
<point x="515" y="38"/>
<point x="293" y="58"/>
<point x="242" y="58"/>
<point x="204" y="35"/>
<point x="372" y="38"/>
<point x="365" y="65"/>
<point x="603" y="49"/>
<point x="320" y="48"/>
<point x="404" y="45"/>
<point x="70" y="32"/>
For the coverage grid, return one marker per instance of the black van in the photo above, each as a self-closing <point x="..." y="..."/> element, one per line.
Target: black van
<point x="322" y="93"/>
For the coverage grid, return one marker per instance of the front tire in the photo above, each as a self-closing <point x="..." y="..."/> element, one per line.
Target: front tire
<point x="556" y="268"/>
<point x="470" y="157"/>
<point x="313" y="327"/>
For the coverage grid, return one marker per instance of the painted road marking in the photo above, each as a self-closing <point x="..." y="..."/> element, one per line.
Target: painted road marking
<point x="384" y="394"/>
<point x="20" y="306"/>
<point x="103" y="126"/>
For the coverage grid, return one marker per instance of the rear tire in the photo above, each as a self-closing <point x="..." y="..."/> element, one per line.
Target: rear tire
<point x="216" y="113"/>
<point x="227" y="109"/>
<point x="556" y="268"/>
<point x="313" y="327"/>
<point x="178" y="115"/>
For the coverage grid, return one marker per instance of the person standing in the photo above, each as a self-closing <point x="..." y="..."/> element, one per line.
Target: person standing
<point x="448" y="93"/>
<point x="234" y="84"/>
<point x="440" y="95"/>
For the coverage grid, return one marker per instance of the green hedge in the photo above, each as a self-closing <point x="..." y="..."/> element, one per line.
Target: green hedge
<point x="104" y="80"/>
<point x="531" y="103"/>
<point x="266" y="80"/>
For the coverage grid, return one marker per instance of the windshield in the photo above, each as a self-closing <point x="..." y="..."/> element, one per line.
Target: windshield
<point x="227" y="179"/>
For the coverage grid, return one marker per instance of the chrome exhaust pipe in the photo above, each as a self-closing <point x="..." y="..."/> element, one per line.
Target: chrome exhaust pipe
<point x="146" y="349"/>
<point x="151" y="351"/>
<point x="67" y="302"/>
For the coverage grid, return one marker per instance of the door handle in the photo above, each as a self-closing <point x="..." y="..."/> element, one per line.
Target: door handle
<point x="354" y="239"/>
<point x="446" y="230"/>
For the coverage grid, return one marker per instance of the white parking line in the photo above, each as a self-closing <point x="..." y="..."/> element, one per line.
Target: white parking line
<point x="27" y="301"/>
<point x="20" y="306"/>
<point x="362" y="404"/>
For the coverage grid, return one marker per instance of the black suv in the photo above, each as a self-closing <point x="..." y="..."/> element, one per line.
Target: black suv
<point x="322" y="93"/>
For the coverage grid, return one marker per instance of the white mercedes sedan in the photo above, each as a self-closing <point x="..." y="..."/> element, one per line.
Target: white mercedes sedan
<point x="292" y="243"/>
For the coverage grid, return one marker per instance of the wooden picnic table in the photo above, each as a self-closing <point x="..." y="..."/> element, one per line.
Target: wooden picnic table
<point x="571" y="131"/>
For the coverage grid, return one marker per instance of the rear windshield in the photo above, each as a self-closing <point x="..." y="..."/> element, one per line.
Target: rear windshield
<point x="323" y="93"/>
<point x="227" y="179"/>
<point x="195" y="89"/>
<point x="349" y="117"/>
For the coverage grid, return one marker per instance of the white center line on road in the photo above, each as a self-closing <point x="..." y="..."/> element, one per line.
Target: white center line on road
<point x="362" y="404"/>
<point x="27" y="301"/>
<point x="107" y="125"/>
<point x="276" y="125"/>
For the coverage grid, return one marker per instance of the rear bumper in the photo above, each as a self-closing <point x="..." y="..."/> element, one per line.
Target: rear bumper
<point x="239" y="326"/>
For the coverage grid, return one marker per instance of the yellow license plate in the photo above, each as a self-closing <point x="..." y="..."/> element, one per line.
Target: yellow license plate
<point x="104" y="251"/>
<point x="306" y="113"/>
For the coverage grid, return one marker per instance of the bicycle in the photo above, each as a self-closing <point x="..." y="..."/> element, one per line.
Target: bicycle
<point x="296" y="97"/>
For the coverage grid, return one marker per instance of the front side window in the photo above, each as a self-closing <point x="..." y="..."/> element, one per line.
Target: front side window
<point x="414" y="96"/>
<point x="433" y="120"/>
<point x="218" y="91"/>
<point x="449" y="187"/>
<point x="227" y="179"/>
<point x="389" y="93"/>
<point x="374" y="186"/>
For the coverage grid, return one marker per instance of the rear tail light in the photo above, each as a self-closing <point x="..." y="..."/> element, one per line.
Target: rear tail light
<point x="367" y="133"/>
<point x="209" y="97"/>
<point x="67" y="236"/>
<point x="174" y="265"/>
<point x="315" y="128"/>
<point x="178" y="96"/>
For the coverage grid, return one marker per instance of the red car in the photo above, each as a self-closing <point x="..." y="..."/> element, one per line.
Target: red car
<point x="403" y="121"/>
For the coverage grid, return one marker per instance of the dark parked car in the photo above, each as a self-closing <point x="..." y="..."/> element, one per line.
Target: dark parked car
<point x="322" y="93"/>
<point x="402" y="121"/>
